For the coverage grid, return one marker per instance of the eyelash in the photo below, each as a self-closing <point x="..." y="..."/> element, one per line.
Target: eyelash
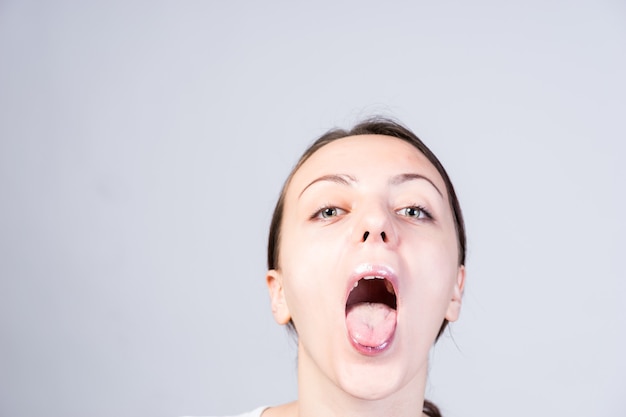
<point x="319" y="214"/>
<point x="422" y="210"/>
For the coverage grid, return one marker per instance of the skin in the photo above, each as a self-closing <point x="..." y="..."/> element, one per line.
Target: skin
<point x="348" y="187"/>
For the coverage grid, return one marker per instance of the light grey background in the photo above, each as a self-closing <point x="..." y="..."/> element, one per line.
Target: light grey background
<point x="143" y="145"/>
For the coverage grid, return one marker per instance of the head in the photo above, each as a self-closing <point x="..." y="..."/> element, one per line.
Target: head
<point x="374" y="126"/>
<point x="366" y="259"/>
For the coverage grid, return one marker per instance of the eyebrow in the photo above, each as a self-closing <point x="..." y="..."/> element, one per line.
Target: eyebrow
<point x="402" y="178"/>
<point x="342" y="179"/>
<point x="345" y="179"/>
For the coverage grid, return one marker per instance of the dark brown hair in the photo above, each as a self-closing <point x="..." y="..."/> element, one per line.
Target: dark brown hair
<point x="372" y="126"/>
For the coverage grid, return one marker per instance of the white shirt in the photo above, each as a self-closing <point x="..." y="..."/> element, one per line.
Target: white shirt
<point x="254" y="413"/>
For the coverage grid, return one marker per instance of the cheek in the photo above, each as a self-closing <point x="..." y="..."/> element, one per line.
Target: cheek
<point x="313" y="266"/>
<point x="306" y="267"/>
<point x="435" y="269"/>
<point x="312" y="251"/>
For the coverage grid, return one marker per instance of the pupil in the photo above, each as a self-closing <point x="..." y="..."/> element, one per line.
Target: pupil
<point x="329" y="212"/>
<point x="413" y="212"/>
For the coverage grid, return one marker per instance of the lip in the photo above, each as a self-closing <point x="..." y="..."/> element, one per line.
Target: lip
<point x="372" y="351"/>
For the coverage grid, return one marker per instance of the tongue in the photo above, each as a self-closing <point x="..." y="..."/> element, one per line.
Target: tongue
<point x="371" y="324"/>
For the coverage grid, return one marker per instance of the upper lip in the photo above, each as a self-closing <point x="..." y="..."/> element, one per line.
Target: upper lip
<point x="372" y="270"/>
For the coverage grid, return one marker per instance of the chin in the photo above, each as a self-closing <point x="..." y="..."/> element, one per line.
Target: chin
<point x="371" y="382"/>
<point x="378" y="390"/>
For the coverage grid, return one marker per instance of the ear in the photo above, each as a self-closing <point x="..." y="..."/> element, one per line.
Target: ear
<point x="280" y="310"/>
<point x="454" y="308"/>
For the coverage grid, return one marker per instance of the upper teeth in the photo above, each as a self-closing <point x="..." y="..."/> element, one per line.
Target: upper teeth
<point x="356" y="284"/>
<point x="388" y="284"/>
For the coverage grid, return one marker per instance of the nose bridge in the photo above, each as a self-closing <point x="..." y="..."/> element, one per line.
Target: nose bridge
<point x="374" y="224"/>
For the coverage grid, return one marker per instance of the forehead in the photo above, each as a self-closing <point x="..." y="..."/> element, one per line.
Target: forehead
<point x="366" y="157"/>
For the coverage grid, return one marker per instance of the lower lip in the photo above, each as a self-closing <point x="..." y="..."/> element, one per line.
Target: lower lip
<point x="372" y="351"/>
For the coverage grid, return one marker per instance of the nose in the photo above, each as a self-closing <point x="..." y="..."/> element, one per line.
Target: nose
<point x="375" y="226"/>
<point x="383" y="235"/>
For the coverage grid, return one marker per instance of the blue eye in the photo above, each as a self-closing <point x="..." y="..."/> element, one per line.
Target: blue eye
<point x="414" y="212"/>
<point x="328" y="213"/>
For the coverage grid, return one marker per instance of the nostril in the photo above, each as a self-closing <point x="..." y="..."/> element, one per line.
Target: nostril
<point x="384" y="236"/>
<point x="365" y="235"/>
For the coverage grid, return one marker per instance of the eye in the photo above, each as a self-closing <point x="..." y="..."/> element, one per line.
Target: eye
<point x="414" y="212"/>
<point x="328" y="213"/>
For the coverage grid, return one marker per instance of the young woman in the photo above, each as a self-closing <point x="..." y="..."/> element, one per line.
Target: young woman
<point x="366" y="264"/>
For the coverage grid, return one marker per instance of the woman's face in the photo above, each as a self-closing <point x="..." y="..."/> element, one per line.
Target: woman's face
<point x="368" y="265"/>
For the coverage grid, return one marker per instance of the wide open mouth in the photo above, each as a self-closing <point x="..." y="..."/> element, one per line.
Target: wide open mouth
<point x="372" y="290"/>
<point x="371" y="314"/>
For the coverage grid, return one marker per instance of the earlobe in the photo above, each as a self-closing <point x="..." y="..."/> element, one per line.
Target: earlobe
<point x="280" y="310"/>
<point x="454" y="308"/>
